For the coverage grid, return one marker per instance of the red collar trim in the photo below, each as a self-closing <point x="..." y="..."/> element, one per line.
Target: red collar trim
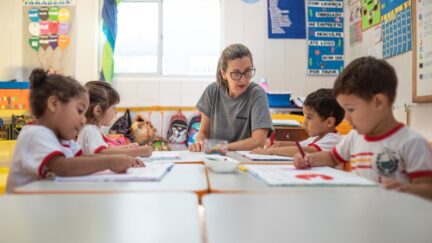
<point x="385" y="135"/>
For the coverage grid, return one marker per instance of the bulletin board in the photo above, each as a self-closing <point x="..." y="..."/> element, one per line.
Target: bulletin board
<point x="48" y="36"/>
<point x="422" y="50"/>
<point x="286" y="19"/>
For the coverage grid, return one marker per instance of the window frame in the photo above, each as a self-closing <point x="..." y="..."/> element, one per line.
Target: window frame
<point x="158" y="74"/>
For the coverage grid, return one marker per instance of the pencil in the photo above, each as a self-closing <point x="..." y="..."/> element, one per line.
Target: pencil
<point x="300" y="149"/>
<point x="302" y="152"/>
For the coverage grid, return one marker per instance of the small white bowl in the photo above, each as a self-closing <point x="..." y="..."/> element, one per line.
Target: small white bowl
<point x="221" y="164"/>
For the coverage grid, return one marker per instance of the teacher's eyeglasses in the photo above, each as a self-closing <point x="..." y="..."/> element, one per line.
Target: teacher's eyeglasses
<point x="249" y="73"/>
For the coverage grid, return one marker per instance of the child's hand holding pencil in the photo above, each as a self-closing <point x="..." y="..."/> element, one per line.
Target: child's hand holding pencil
<point x="301" y="160"/>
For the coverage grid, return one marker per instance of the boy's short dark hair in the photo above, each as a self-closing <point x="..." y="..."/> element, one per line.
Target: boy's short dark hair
<point x="366" y="77"/>
<point x="324" y="103"/>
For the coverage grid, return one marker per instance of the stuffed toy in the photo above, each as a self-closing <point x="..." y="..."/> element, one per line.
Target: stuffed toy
<point x="142" y="130"/>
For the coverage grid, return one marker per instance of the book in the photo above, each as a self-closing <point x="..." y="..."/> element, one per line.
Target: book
<point x="151" y="172"/>
<point x="288" y="175"/>
<point x="263" y="157"/>
<point x="289" y="123"/>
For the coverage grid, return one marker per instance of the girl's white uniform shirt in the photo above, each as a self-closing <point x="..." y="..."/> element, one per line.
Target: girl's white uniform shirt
<point x="92" y="140"/>
<point x="35" y="146"/>
<point x="326" y="143"/>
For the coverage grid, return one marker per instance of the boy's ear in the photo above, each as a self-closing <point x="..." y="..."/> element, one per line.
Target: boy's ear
<point x="330" y="122"/>
<point x="380" y="101"/>
<point x="52" y="103"/>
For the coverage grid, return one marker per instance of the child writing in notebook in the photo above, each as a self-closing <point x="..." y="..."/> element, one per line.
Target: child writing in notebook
<point x="378" y="148"/>
<point x="47" y="147"/>
<point x="101" y="112"/>
<point x="322" y="114"/>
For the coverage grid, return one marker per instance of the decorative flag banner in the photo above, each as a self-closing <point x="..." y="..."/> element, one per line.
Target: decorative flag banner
<point x="325" y="37"/>
<point x="355" y="31"/>
<point x="396" y="27"/>
<point x="109" y="27"/>
<point x="286" y="19"/>
<point x="371" y="13"/>
<point x="47" y="33"/>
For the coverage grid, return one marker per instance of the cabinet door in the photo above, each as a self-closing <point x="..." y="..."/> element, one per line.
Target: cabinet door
<point x="290" y="133"/>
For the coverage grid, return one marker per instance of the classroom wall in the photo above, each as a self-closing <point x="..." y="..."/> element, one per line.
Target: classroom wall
<point x="282" y="62"/>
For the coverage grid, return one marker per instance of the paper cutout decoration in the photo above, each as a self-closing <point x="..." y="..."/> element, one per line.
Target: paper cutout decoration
<point x="63" y="14"/>
<point x="63" y="41"/>
<point x="44" y="27"/>
<point x="53" y="27"/>
<point x="43" y="13"/>
<point x="53" y="13"/>
<point x="44" y="42"/>
<point x="33" y="14"/>
<point x="34" y="28"/>
<point x="63" y="28"/>
<point x="34" y="43"/>
<point x="53" y="41"/>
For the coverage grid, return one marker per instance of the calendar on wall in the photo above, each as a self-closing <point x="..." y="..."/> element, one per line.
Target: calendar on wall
<point x="396" y="27"/>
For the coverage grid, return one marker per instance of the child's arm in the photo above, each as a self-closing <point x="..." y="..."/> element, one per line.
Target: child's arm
<point x="258" y="139"/>
<point x="324" y="158"/>
<point x="203" y="133"/>
<point x="144" y="151"/>
<point x="84" y="165"/>
<point x="283" y="143"/>
<point x="283" y="151"/>
<point x="421" y="186"/>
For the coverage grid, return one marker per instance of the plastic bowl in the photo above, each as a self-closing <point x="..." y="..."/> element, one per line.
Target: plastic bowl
<point x="221" y="164"/>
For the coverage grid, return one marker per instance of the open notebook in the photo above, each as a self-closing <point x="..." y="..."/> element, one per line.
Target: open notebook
<point x="151" y="172"/>
<point x="289" y="123"/>
<point x="262" y="157"/>
<point x="288" y="175"/>
<point x="162" y="156"/>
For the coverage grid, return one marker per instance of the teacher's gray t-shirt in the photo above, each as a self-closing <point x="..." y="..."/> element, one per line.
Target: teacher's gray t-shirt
<point x="234" y="119"/>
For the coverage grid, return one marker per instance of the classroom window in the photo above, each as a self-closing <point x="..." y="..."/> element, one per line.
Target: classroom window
<point x="168" y="37"/>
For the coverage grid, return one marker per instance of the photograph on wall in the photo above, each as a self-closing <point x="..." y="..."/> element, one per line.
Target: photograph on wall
<point x="371" y="13"/>
<point x="47" y="34"/>
<point x="396" y="27"/>
<point x="355" y="30"/>
<point x="286" y="19"/>
<point x="325" y="37"/>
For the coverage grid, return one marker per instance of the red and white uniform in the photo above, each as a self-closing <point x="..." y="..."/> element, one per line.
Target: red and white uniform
<point x="400" y="153"/>
<point x="326" y="143"/>
<point x="35" y="146"/>
<point x="92" y="140"/>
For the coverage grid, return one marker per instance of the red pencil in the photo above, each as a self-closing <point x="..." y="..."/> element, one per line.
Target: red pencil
<point x="302" y="152"/>
<point x="300" y="149"/>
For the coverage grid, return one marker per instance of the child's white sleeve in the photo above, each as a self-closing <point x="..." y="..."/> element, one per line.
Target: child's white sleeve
<point x="91" y="140"/>
<point x="327" y="142"/>
<point x="44" y="146"/>
<point x="417" y="156"/>
<point x="342" y="150"/>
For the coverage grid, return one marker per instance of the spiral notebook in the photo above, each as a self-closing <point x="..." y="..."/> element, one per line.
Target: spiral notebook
<point x="151" y="172"/>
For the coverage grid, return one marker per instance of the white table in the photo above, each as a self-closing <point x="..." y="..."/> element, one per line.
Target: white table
<point x="244" y="160"/>
<point x="150" y="217"/>
<point x="187" y="177"/>
<point x="332" y="215"/>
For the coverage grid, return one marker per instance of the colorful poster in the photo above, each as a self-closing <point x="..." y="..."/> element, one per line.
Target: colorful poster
<point x="396" y="27"/>
<point x="286" y="19"/>
<point x="355" y="30"/>
<point x="371" y="13"/>
<point x="47" y="34"/>
<point x="325" y="37"/>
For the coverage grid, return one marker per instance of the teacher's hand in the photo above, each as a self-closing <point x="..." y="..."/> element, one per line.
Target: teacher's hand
<point x="197" y="147"/>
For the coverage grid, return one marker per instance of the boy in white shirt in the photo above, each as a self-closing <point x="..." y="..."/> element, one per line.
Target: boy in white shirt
<point x="379" y="147"/>
<point x="322" y="114"/>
